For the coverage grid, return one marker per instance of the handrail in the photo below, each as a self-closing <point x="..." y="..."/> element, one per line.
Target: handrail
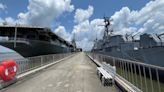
<point x="147" y="77"/>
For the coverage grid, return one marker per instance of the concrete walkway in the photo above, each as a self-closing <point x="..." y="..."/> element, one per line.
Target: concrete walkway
<point x="77" y="74"/>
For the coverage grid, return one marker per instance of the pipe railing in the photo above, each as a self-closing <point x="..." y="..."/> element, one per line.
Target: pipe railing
<point x="31" y="63"/>
<point x="38" y="61"/>
<point x="148" y="78"/>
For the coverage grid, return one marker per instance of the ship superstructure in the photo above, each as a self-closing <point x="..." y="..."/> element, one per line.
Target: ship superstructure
<point x="147" y="49"/>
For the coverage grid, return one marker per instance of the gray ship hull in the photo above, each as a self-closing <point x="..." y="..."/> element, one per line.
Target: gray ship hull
<point x="153" y="56"/>
<point x="35" y="48"/>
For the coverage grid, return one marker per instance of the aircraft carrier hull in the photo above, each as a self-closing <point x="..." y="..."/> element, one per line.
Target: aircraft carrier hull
<point x="35" y="48"/>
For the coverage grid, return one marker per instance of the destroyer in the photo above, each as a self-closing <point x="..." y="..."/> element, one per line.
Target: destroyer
<point x="147" y="49"/>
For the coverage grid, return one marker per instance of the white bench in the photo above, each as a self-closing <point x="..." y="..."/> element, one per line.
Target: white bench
<point x="105" y="77"/>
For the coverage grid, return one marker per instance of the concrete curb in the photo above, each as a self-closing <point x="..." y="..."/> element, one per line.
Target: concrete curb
<point x="21" y="76"/>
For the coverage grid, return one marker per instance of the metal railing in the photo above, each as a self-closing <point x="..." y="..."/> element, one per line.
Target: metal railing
<point x="31" y="63"/>
<point x="38" y="61"/>
<point x="148" y="78"/>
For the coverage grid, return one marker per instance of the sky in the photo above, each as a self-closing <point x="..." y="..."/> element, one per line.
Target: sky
<point x="83" y="17"/>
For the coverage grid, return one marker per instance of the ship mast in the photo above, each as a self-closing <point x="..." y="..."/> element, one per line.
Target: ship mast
<point x="107" y="22"/>
<point x="73" y="41"/>
<point x="159" y="37"/>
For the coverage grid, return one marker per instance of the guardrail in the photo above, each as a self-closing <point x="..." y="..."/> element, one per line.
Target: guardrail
<point x="31" y="63"/>
<point x="38" y="61"/>
<point x="146" y="77"/>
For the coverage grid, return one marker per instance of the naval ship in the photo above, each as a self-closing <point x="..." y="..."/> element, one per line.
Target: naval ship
<point x="31" y="41"/>
<point x="148" y="49"/>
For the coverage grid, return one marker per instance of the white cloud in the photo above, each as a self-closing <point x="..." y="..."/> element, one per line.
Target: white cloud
<point x="87" y="31"/>
<point x="43" y="12"/>
<point x="61" y="31"/>
<point x="8" y="21"/>
<point x="85" y="44"/>
<point x="2" y="6"/>
<point x="149" y="19"/>
<point x="83" y="15"/>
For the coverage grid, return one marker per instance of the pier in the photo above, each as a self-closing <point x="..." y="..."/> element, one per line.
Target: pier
<point x="77" y="72"/>
<point x="73" y="74"/>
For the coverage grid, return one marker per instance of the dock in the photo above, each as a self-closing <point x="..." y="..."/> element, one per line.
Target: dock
<point x="77" y="72"/>
<point x="74" y="74"/>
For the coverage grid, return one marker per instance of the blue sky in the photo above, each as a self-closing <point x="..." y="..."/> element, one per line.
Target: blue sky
<point x="101" y="7"/>
<point x="81" y="17"/>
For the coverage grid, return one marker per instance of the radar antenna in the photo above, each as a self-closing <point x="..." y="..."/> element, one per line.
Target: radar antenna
<point x="159" y="37"/>
<point x="128" y="35"/>
<point x="107" y="21"/>
<point x="73" y="40"/>
<point x="132" y="36"/>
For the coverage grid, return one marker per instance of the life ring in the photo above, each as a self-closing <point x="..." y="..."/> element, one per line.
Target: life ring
<point x="8" y="69"/>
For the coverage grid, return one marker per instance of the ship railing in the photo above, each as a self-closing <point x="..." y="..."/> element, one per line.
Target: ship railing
<point x="31" y="63"/>
<point x="4" y="39"/>
<point x="160" y="44"/>
<point x="18" y="39"/>
<point x="146" y="77"/>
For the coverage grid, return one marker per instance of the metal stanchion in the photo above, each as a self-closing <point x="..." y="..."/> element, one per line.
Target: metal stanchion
<point x="140" y="76"/>
<point x="150" y="74"/>
<point x="135" y="74"/>
<point x="100" y="59"/>
<point x="120" y="67"/>
<point x="128" y="72"/>
<point x="114" y="61"/>
<point x="145" y="78"/>
<point x="159" y="86"/>
<point x="123" y="69"/>
<point x="132" y="73"/>
<point x="41" y="61"/>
